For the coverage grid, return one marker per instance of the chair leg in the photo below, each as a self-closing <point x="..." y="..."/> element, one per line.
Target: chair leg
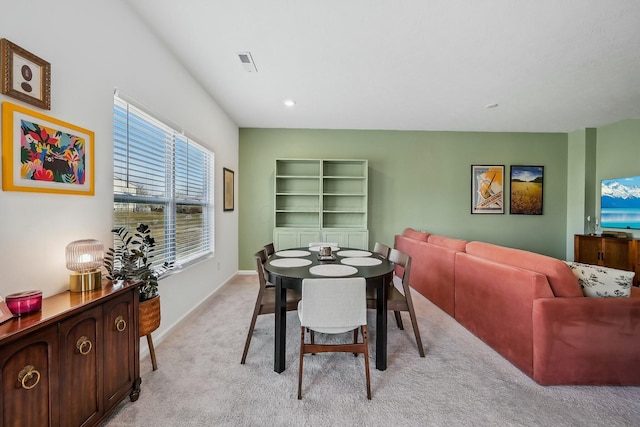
<point x="252" y="325"/>
<point x="355" y="340"/>
<point x="248" y="341"/>
<point x="399" y="320"/>
<point x="313" y="338"/>
<point x="416" y="331"/>
<point x="152" y="352"/>
<point x="301" y="363"/>
<point x="365" y="339"/>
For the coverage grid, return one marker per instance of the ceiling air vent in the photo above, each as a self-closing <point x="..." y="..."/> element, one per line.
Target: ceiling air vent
<point x="247" y="62"/>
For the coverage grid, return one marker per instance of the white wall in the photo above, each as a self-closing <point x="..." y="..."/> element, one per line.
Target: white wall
<point x="94" y="47"/>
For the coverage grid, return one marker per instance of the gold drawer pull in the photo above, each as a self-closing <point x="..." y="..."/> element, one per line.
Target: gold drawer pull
<point x="84" y="345"/>
<point x="121" y="324"/>
<point x="26" y="374"/>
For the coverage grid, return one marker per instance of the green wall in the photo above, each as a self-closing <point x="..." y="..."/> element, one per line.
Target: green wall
<point x="576" y="187"/>
<point x="416" y="179"/>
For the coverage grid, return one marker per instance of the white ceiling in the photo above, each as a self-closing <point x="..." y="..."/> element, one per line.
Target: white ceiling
<point x="552" y="66"/>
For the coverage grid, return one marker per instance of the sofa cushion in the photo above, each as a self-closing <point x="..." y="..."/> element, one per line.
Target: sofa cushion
<point x="415" y="234"/>
<point x="447" y="242"/>
<point x="563" y="282"/>
<point x="603" y="282"/>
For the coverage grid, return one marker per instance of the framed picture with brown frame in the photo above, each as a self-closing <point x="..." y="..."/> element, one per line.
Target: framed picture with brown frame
<point x="487" y="182"/>
<point x="25" y="76"/>
<point x="526" y="193"/>
<point x="228" y="204"/>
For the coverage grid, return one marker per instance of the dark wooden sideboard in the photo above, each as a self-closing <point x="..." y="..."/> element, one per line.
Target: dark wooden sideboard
<point x="614" y="252"/>
<point x="71" y="363"/>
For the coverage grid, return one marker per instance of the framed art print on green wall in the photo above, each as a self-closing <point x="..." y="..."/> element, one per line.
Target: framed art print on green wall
<point x="487" y="195"/>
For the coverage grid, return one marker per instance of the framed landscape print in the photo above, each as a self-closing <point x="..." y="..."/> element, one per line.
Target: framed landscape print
<point x="526" y="190"/>
<point x="228" y="189"/>
<point x="487" y="184"/>
<point x="44" y="154"/>
<point x="25" y="76"/>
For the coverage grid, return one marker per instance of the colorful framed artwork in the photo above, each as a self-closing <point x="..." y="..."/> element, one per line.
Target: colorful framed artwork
<point x="25" y="76"/>
<point x="526" y="190"/>
<point x="44" y="154"/>
<point x="228" y="189"/>
<point x="487" y="183"/>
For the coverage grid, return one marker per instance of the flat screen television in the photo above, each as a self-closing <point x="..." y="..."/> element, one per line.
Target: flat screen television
<point x="620" y="203"/>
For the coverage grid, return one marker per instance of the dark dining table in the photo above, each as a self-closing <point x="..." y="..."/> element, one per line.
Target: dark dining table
<point x="377" y="277"/>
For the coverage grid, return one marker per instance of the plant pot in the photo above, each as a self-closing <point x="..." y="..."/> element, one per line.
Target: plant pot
<point x="149" y="320"/>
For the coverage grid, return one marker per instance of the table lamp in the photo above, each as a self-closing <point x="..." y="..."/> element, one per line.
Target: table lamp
<point x="84" y="258"/>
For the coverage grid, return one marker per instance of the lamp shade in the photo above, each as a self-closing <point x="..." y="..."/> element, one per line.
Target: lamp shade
<point x="84" y="255"/>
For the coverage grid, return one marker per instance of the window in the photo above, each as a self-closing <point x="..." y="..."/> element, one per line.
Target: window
<point x="165" y="180"/>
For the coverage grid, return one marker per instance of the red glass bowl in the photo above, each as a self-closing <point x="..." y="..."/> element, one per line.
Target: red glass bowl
<point x="24" y="302"/>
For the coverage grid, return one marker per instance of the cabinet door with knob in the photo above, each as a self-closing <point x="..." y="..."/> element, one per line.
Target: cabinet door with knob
<point x="29" y="396"/>
<point x="120" y="338"/>
<point x="71" y="363"/>
<point x="80" y="367"/>
<point x="610" y="252"/>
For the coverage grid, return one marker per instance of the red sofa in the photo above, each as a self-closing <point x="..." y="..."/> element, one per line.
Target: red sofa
<point x="530" y="309"/>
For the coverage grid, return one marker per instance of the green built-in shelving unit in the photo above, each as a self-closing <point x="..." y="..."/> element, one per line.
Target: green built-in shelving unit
<point x="321" y="200"/>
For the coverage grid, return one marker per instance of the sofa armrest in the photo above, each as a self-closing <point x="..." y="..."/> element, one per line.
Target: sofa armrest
<point x="586" y="341"/>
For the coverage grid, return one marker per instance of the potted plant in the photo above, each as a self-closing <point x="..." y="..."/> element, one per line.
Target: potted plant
<point x="131" y="260"/>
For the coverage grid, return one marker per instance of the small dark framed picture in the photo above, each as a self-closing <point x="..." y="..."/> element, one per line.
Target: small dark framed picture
<point x="228" y="189"/>
<point x="25" y="76"/>
<point x="526" y="190"/>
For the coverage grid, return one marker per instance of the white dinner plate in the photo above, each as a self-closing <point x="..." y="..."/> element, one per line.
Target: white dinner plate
<point x="354" y="253"/>
<point x="290" y="262"/>
<point x="333" y="270"/>
<point x="361" y="261"/>
<point x="293" y="253"/>
<point x="317" y="248"/>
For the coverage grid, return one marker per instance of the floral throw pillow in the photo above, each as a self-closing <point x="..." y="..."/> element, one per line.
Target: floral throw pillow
<point x="603" y="282"/>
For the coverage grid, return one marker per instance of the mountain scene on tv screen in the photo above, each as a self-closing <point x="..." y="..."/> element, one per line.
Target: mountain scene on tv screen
<point x="621" y="193"/>
<point x="620" y="202"/>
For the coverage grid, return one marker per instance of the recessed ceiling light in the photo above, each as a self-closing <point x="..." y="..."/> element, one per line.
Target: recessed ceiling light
<point x="490" y="106"/>
<point x="289" y="102"/>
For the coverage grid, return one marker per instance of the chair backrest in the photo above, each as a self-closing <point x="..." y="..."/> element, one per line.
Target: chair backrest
<point x="381" y="249"/>
<point x="334" y="303"/>
<point x="402" y="260"/>
<point x="261" y="258"/>
<point x="269" y="249"/>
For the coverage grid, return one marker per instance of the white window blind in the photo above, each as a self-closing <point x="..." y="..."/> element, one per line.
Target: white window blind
<point x="165" y="180"/>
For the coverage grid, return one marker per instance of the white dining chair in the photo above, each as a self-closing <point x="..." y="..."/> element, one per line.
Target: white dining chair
<point x="334" y="306"/>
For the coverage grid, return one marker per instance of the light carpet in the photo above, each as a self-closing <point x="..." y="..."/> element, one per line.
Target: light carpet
<point x="460" y="382"/>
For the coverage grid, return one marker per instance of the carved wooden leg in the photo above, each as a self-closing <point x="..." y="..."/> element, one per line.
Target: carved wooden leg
<point x="135" y="393"/>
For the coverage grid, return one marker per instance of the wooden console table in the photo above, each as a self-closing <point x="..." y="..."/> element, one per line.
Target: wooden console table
<point x="614" y="252"/>
<point x="71" y="363"/>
